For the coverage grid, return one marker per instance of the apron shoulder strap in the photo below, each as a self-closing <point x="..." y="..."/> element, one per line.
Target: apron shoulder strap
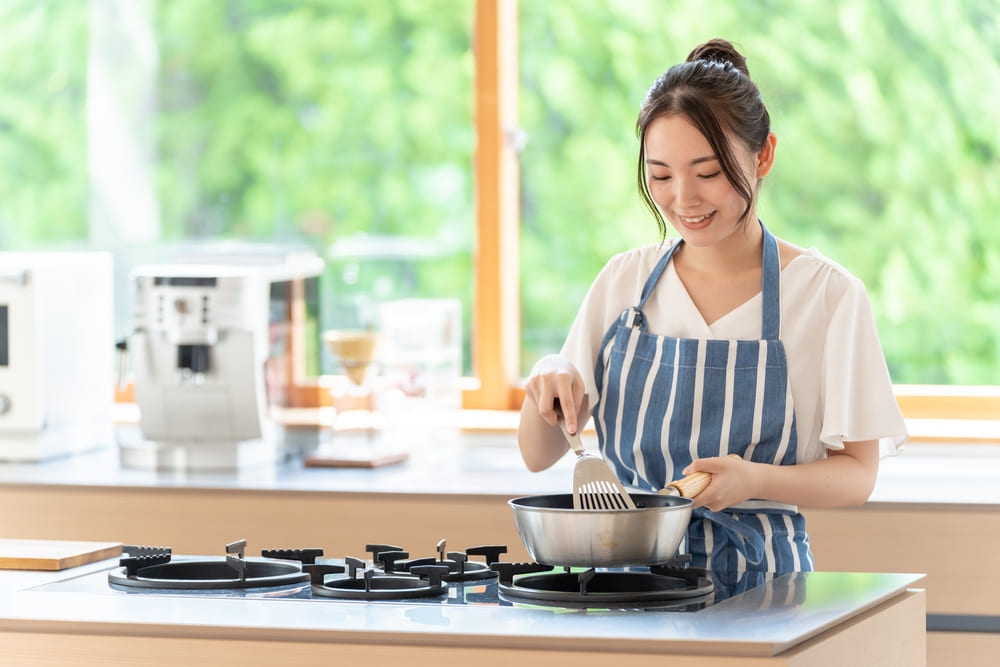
<point x="654" y="277"/>
<point x="770" y="288"/>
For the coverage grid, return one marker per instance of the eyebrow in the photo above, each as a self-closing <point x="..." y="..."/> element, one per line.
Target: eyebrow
<point x="697" y="160"/>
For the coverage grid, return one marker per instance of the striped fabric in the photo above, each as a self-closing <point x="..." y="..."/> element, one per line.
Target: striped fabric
<point x="666" y="401"/>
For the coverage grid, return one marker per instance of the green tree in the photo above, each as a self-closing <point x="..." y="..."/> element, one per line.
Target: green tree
<point x="43" y="136"/>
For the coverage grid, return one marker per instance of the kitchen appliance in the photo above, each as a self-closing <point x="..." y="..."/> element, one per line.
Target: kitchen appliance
<point x="56" y="355"/>
<point x="216" y="344"/>
<point x="475" y="576"/>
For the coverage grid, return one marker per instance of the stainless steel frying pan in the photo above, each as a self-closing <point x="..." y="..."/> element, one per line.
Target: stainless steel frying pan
<point x="556" y="534"/>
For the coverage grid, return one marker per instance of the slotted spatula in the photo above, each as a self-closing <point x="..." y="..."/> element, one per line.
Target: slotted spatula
<point x="595" y="486"/>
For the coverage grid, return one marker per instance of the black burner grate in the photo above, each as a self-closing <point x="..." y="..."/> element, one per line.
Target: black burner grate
<point x="543" y="583"/>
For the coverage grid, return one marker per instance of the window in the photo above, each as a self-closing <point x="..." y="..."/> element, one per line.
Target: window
<point x="139" y="126"/>
<point x="142" y="126"/>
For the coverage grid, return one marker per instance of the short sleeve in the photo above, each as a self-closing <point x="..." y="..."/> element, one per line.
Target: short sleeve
<point x="858" y="400"/>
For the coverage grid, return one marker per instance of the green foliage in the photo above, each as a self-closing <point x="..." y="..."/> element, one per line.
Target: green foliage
<point x="283" y="119"/>
<point x="888" y="155"/>
<point x="312" y="120"/>
<point x="43" y="136"/>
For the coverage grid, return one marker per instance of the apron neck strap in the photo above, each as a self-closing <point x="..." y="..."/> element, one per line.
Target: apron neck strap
<point x="654" y="277"/>
<point x="770" y="290"/>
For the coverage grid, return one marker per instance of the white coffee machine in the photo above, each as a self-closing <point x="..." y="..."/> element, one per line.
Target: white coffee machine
<point x="56" y="353"/>
<point x="215" y="342"/>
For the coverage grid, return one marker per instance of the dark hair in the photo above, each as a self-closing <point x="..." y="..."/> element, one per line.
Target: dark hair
<point x="712" y="88"/>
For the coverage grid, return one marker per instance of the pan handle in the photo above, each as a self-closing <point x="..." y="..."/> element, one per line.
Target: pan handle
<point x="691" y="485"/>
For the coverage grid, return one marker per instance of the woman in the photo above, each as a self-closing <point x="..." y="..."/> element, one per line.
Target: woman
<point x="724" y="341"/>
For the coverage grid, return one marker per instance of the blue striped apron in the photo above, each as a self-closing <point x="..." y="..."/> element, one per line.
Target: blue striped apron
<point x="665" y="401"/>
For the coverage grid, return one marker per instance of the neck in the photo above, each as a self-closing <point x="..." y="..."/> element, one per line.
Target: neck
<point x="738" y="252"/>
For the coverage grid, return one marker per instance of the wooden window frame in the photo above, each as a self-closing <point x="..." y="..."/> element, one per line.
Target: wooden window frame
<point x="496" y="312"/>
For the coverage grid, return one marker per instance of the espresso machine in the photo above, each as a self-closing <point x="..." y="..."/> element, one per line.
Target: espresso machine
<point x="217" y="341"/>
<point x="56" y="354"/>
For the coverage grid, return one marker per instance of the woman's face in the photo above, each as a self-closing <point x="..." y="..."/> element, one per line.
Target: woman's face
<point x="687" y="183"/>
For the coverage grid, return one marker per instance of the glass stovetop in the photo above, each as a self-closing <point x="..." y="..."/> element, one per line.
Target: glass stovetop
<point x="483" y="592"/>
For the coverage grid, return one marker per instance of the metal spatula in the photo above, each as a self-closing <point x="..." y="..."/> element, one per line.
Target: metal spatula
<point x="595" y="486"/>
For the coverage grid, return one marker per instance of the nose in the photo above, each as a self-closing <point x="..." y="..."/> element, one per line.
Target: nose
<point x="686" y="192"/>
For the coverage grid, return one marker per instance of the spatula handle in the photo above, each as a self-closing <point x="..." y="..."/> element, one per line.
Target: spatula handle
<point x="573" y="439"/>
<point x="691" y="485"/>
<point x="688" y="487"/>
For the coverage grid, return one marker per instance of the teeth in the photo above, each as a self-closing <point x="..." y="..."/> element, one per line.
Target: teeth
<point x="694" y="220"/>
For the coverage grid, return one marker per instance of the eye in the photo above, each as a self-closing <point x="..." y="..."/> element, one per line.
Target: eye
<point x="712" y="175"/>
<point x="659" y="178"/>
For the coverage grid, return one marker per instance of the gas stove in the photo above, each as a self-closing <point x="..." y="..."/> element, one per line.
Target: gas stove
<point x="477" y="575"/>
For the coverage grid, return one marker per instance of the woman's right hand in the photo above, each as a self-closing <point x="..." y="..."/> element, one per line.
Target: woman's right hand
<point x="556" y="389"/>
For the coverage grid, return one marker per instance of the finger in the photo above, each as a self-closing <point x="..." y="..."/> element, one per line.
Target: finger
<point x="541" y="397"/>
<point x="693" y="467"/>
<point x="710" y="464"/>
<point x="567" y="399"/>
<point x="570" y="414"/>
<point x="548" y="405"/>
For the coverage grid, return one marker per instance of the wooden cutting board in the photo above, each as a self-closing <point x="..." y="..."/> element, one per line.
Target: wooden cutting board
<point x="53" y="554"/>
<point x="324" y="459"/>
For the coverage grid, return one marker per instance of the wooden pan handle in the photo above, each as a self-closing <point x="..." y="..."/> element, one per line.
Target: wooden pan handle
<point x="692" y="485"/>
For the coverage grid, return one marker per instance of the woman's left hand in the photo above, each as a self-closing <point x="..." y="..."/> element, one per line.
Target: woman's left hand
<point x="732" y="482"/>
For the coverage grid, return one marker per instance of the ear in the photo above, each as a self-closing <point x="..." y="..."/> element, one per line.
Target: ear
<point x="765" y="156"/>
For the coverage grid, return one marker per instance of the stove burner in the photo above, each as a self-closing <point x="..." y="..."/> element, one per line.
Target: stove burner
<point x="661" y="584"/>
<point x="423" y="581"/>
<point x="152" y="567"/>
<point x="460" y="568"/>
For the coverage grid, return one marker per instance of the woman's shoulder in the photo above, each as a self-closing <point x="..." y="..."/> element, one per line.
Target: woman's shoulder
<point x="640" y="259"/>
<point x="819" y="274"/>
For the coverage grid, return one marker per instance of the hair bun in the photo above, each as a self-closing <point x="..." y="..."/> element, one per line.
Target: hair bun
<point x="719" y="51"/>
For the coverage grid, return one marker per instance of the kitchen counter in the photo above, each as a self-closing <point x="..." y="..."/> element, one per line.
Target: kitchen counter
<point x="451" y="461"/>
<point x="927" y="500"/>
<point x="800" y="619"/>
<point x="457" y="461"/>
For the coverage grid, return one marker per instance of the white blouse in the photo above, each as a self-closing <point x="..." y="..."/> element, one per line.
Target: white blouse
<point x="840" y="384"/>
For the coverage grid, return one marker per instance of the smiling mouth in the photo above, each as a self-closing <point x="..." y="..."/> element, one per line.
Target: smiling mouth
<point x="695" y="220"/>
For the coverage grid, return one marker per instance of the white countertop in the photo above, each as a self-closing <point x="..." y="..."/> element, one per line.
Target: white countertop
<point x="455" y="461"/>
<point x="765" y="620"/>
